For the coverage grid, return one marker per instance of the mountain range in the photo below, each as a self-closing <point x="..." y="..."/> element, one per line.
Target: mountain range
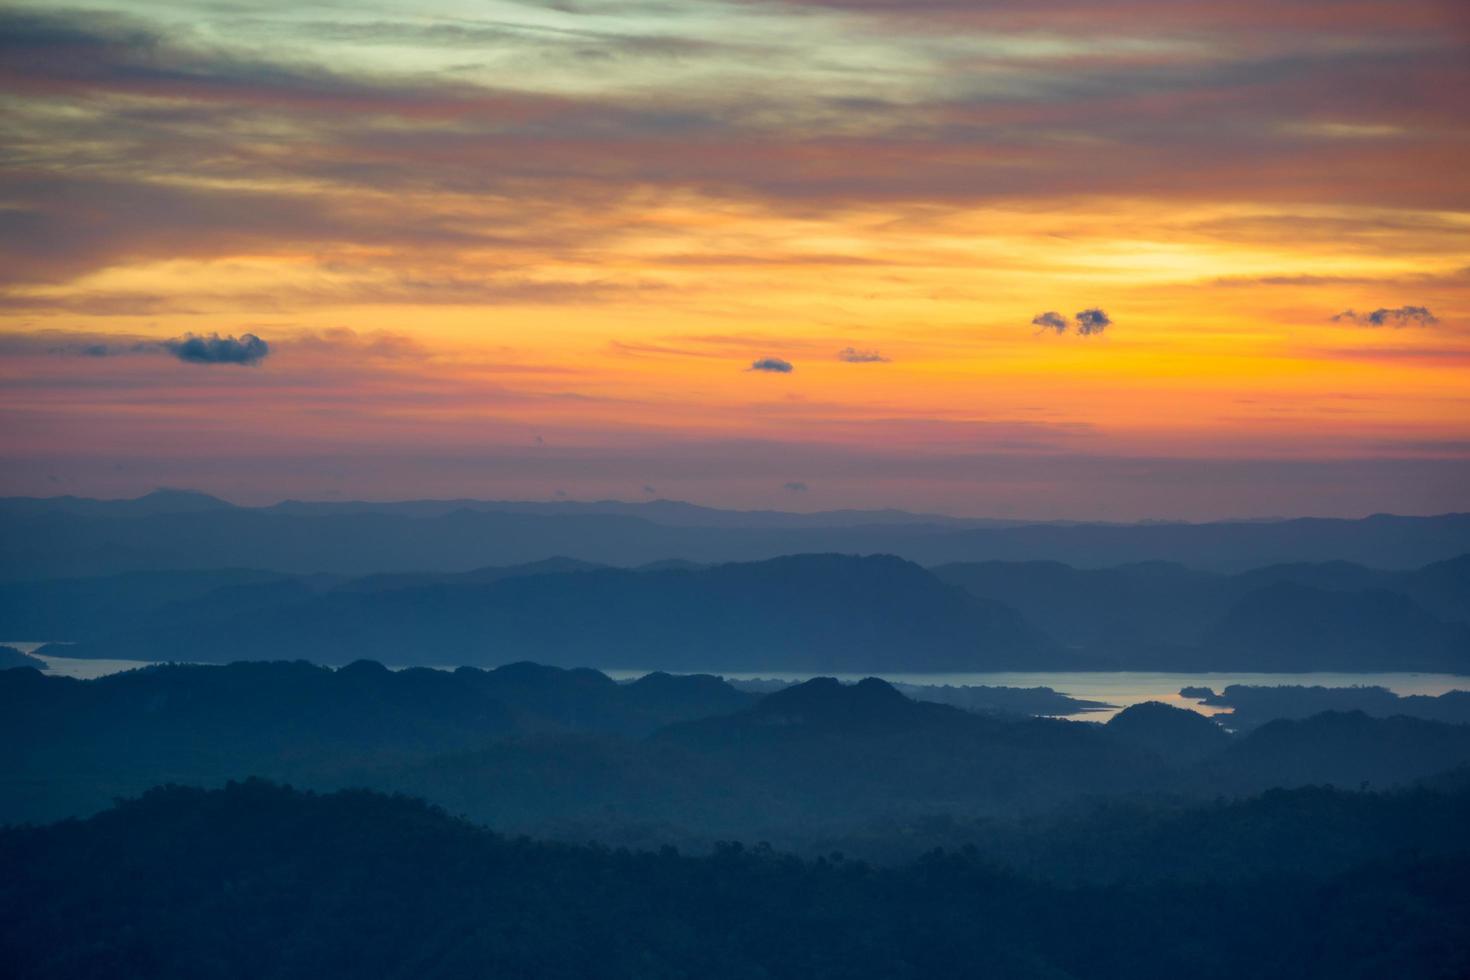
<point x="179" y="530"/>
<point x="570" y="753"/>
<point x="802" y="613"/>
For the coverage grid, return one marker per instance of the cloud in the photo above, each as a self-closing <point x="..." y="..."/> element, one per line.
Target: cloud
<point x="1401" y="316"/>
<point x="853" y="355"/>
<point x="1050" y="320"/>
<point x="795" y="486"/>
<point x="1092" y="321"/>
<point x="190" y="348"/>
<point x="651" y="491"/>
<point x="773" y="365"/>
<point x="214" y="349"/>
<point x="1088" y="322"/>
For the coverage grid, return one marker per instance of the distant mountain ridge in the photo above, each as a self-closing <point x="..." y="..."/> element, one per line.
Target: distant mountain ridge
<point x="1287" y="617"/>
<point x="813" y="613"/>
<point x="69" y="537"/>
<point x="818" y="613"/>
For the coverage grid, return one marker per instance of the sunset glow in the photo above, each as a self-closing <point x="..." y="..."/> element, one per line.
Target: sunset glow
<point x="513" y="250"/>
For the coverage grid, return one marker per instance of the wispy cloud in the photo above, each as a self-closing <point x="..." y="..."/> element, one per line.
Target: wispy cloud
<point x="247" y="349"/>
<point x="854" y="355"/>
<point x="1399" y="316"/>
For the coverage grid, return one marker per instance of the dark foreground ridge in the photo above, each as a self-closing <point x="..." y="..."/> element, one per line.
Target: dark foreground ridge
<point x="256" y="880"/>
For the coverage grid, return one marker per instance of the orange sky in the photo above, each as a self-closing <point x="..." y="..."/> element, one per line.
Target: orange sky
<point x="497" y="250"/>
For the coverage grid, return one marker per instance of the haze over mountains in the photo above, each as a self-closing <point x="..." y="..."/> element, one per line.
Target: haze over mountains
<point x="805" y="613"/>
<point x="1081" y="843"/>
<point x="69" y="537"/>
<point x="670" y="586"/>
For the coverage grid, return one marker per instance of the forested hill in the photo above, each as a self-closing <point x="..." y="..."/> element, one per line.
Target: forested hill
<point x="254" y="880"/>
<point x="571" y="754"/>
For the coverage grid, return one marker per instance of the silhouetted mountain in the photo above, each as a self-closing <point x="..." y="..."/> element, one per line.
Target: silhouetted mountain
<point x="673" y="513"/>
<point x="1294" y="627"/>
<point x="1443" y="588"/>
<point x="76" y="609"/>
<point x="64" y="537"/>
<point x="1162" y="602"/>
<point x="535" y="749"/>
<point x="1310" y="830"/>
<point x="823" y="748"/>
<point x="985" y="699"/>
<point x="1383" y="540"/>
<point x="1346" y="749"/>
<point x="255" y="880"/>
<point x="1332" y="576"/>
<point x="671" y="565"/>
<point x="11" y="657"/>
<point x="161" y="501"/>
<point x="1178" y="736"/>
<point x="825" y="706"/>
<point x="1299" y="616"/>
<point x="479" y="576"/>
<point x="1148" y="616"/>
<point x="808" y="613"/>
<point x="91" y="740"/>
<point x="1254" y="705"/>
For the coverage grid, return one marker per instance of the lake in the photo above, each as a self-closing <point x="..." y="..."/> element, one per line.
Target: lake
<point x="1122" y="688"/>
<point x="1118" y="688"/>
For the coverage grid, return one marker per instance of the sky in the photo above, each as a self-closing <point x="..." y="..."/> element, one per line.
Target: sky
<point x="1082" y="259"/>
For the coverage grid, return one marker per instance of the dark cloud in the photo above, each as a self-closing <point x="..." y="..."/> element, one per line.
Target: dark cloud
<point x="1088" y="322"/>
<point x="651" y="491"/>
<point x="1050" y="320"/>
<point x="853" y="355"/>
<point x="214" y="349"/>
<point x="1092" y="321"/>
<point x="795" y="486"/>
<point x="1400" y="316"/>
<point x="773" y="365"/>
